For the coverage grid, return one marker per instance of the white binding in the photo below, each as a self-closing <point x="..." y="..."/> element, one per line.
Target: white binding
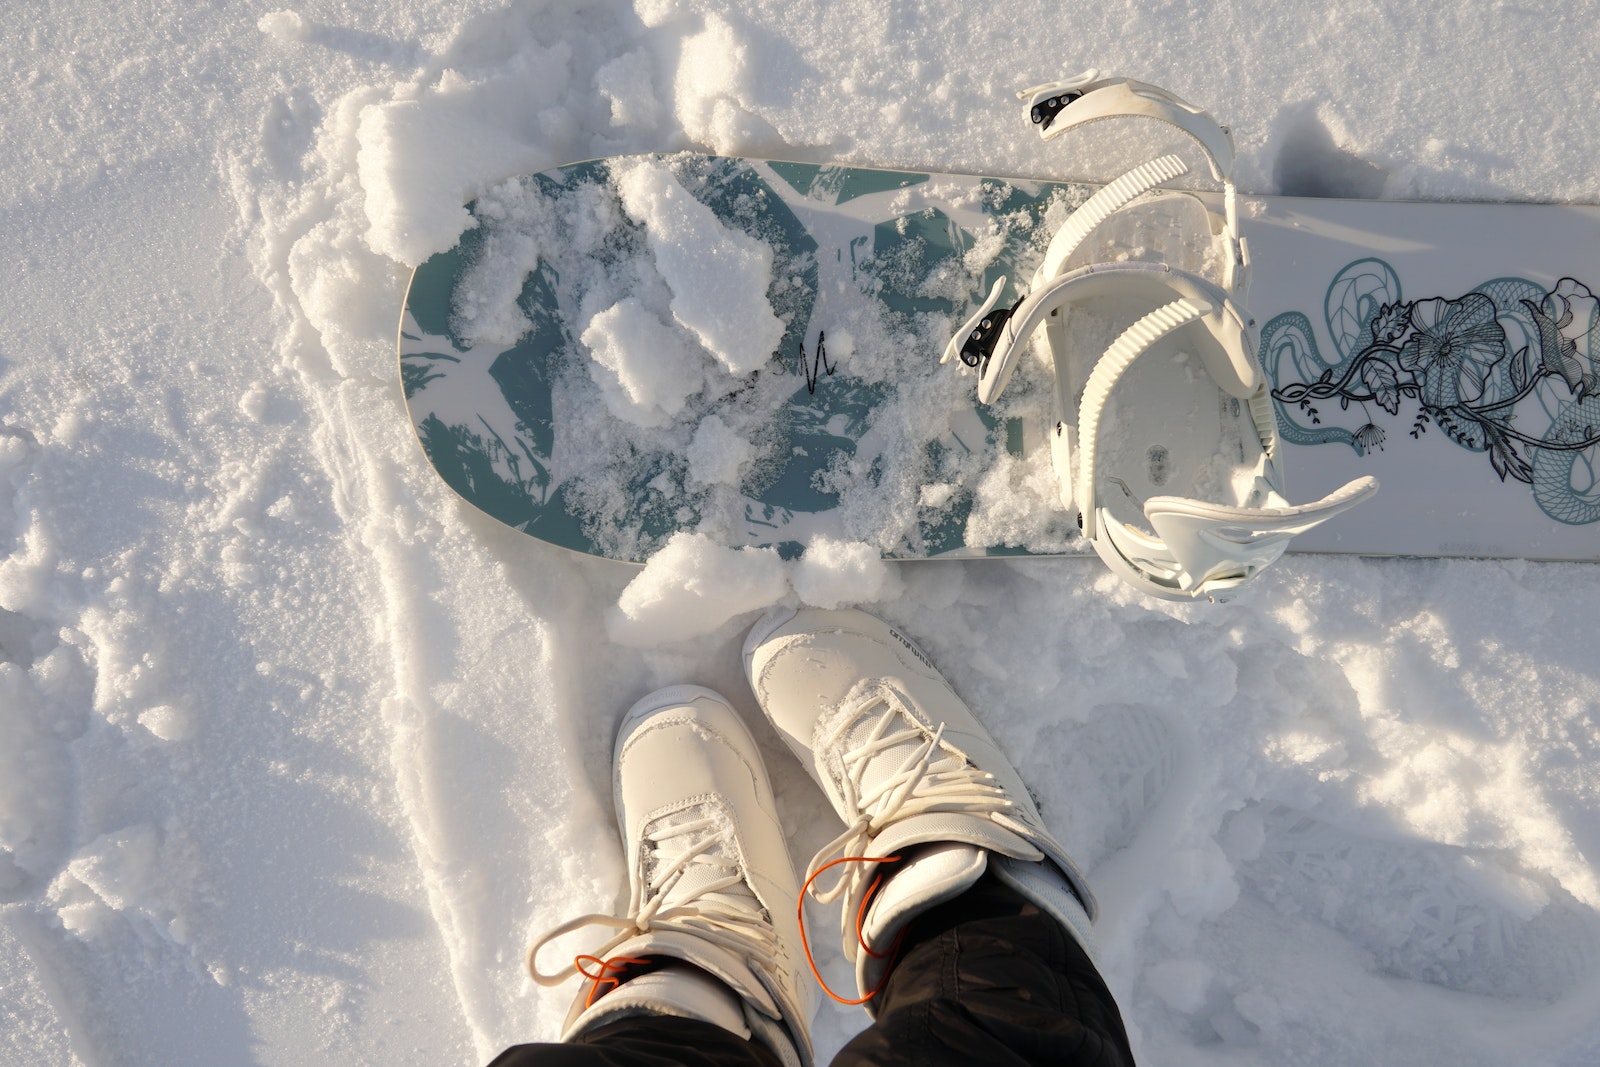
<point x="1198" y="548"/>
<point x="970" y="327"/>
<point x="1116" y="98"/>
<point x="1101" y="206"/>
<point x="1239" y="375"/>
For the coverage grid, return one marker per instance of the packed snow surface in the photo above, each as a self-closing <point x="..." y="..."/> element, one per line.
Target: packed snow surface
<point x="297" y="752"/>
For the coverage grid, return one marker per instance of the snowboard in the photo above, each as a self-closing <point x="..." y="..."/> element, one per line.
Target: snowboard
<point x="625" y="348"/>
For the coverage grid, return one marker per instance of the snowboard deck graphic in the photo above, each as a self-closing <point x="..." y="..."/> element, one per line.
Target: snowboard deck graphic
<point x="624" y="348"/>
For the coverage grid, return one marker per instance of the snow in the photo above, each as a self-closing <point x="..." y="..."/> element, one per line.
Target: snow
<point x="836" y="574"/>
<point x="644" y="371"/>
<point x="717" y="453"/>
<point x="297" y="752"/>
<point x="720" y="294"/>
<point x="692" y="587"/>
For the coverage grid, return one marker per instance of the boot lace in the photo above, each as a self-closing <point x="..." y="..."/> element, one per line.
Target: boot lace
<point x="895" y="769"/>
<point x="697" y="887"/>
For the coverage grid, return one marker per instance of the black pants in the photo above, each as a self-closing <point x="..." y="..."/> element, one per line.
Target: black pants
<point x="985" y="979"/>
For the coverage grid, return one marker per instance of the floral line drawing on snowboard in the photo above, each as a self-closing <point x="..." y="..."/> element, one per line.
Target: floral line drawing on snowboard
<point x="1510" y="370"/>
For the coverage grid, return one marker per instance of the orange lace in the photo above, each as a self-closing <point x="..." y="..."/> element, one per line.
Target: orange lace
<point x="605" y="975"/>
<point x="861" y="915"/>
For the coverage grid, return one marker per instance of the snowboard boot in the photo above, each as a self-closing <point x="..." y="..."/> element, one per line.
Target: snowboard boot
<point x="710" y="930"/>
<point x="929" y="801"/>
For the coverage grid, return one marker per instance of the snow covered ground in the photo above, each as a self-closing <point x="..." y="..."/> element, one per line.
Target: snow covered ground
<point x="296" y="751"/>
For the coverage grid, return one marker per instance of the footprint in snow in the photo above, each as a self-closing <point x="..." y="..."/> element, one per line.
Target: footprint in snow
<point x="1464" y="919"/>
<point x="1125" y="758"/>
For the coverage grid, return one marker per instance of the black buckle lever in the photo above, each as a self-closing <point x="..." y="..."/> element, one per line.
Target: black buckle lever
<point x="1045" y="112"/>
<point x="985" y="337"/>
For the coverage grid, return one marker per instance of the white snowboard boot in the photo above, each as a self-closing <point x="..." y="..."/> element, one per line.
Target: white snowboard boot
<point x="913" y="774"/>
<point x="712" y="903"/>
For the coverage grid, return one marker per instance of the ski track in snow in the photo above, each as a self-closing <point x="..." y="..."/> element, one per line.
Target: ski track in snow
<point x="297" y="751"/>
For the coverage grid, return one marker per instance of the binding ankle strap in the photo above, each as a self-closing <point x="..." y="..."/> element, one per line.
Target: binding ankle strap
<point x="1107" y="201"/>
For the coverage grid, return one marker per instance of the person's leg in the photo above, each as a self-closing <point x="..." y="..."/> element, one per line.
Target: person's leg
<point x="645" y="1041"/>
<point x="705" y="968"/>
<point x="967" y="921"/>
<point x="989" y="978"/>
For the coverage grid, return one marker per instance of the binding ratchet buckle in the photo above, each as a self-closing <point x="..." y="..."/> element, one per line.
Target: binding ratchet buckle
<point x="984" y="336"/>
<point x="1045" y="112"/>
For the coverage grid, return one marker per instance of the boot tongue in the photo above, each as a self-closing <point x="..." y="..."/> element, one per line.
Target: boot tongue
<point x="701" y="872"/>
<point x="860" y="726"/>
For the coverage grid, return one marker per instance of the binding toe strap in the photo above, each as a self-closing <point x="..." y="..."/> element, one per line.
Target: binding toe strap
<point x="1057" y="107"/>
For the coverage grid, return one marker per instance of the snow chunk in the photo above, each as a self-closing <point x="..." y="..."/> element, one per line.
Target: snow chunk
<point x="254" y="402"/>
<point x="691" y="587"/>
<point x="629" y="83"/>
<point x="420" y="161"/>
<point x="27" y="584"/>
<point x="717" y="80"/>
<point x="485" y="304"/>
<point x="168" y="723"/>
<point x="284" y="25"/>
<point x="645" y="369"/>
<point x="717" y="453"/>
<point x="718" y="276"/>
<point x="336" y="281"/>
<point x="121" y="868"/>
<point x="833" y="573"/>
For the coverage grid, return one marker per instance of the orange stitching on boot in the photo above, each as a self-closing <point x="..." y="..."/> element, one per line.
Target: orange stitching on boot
<point x="861" y="914"/>
<point x="610" y="967"/>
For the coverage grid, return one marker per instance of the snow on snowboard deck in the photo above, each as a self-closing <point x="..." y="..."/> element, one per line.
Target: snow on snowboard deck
<point x="621" y="349"/>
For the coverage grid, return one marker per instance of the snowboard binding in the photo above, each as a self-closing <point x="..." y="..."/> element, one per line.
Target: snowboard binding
<point x="1166" y="439"/>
